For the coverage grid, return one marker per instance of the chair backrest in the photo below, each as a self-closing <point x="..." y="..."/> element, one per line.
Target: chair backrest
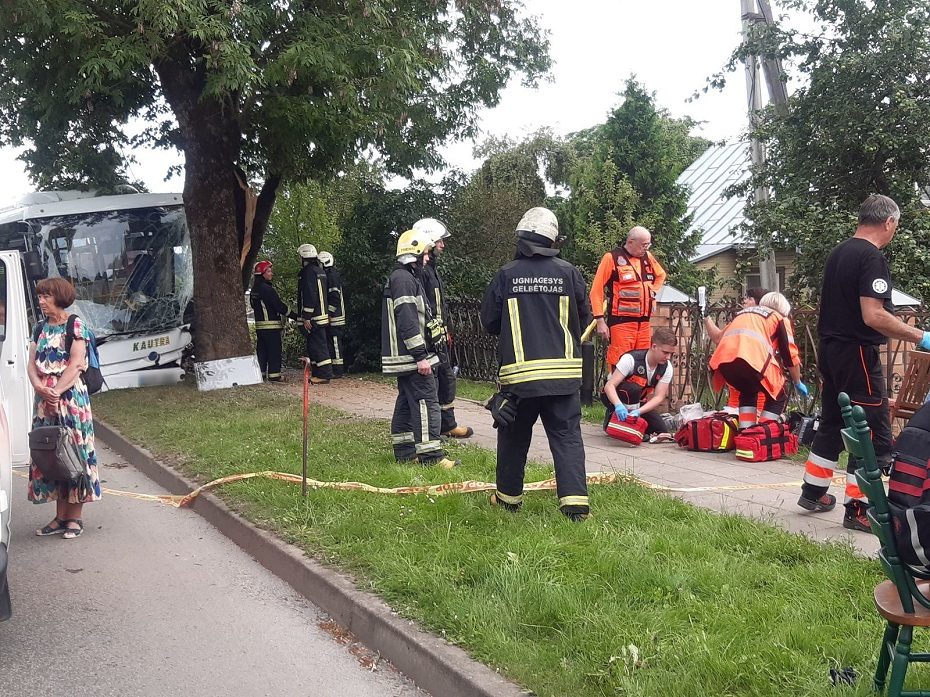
<point x="914" y="386"/>
<point x="857" y="438"/>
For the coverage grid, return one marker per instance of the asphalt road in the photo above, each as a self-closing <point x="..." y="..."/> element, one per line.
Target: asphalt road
<point x="152" y="601"/>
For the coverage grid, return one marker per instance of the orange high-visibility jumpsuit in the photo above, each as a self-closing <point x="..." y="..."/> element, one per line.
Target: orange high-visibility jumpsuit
<point x="629" y="286"/>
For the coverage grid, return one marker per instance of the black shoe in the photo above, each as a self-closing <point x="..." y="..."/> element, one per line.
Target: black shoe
<point x="576" y="514"/>
<point x="825" y="503"/>
<point x="512" y="507"/>
<point x="855" y="518"/>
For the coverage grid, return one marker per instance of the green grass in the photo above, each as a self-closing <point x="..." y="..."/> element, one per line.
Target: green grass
<point x="650" y="597"/>
<point x="480" y="391"/>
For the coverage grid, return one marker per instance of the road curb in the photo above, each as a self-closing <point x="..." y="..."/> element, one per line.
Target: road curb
<point x="434" y="665"/>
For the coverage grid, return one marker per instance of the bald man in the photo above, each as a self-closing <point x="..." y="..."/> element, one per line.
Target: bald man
<point x="623" y="294"/>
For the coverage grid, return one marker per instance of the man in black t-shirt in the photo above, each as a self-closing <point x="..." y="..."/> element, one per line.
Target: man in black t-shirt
<point x="855" y="320"/>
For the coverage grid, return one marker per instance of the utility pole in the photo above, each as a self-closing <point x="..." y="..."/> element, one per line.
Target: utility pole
<point x="772" y="69"/>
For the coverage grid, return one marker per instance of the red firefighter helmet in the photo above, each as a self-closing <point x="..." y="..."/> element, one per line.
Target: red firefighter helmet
<point x="261" y="267"/>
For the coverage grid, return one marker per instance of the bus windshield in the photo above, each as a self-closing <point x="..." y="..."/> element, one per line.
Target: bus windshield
<point x="132" y="269"/>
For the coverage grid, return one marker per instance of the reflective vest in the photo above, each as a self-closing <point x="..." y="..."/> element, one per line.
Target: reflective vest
<point x="640" y="371"/>
<point x="628" y="285"/>
<point x="761" y="337"/>
<point x="269" y="310"/>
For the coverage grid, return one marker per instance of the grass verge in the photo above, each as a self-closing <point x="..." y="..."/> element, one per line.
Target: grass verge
<point x="649" y="597"/>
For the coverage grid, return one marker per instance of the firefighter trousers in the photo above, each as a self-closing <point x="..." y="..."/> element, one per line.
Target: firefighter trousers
<point x="626" y="337"/>
<point x="318" y="352"/>
<point x="446" y="387"/>
<point x="334" y="336"/>
<point x="857" y="371"/>
<point x="415" y="424"/>
<point x="268" y="350"/>
<point x="561" y="417"/>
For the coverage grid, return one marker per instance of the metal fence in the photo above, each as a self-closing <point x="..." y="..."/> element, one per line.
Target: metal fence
<point x="475" y="351"/>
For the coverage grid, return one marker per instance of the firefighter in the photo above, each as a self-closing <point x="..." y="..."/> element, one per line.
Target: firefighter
<point x="746" y="359"/>
<point x="432" y="284"/>
<point x="640" y="382"/>
<point x="538" y="305"/>
<point x="623" y="294"/>
<point x="336" y="307"/>
<point x="407" y="354"/>
<point x="270" y="319"/>
<point x="311" y="299"/>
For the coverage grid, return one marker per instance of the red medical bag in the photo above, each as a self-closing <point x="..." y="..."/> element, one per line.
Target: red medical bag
<point x="630" y="431"/>
<point x="709" y="434"/>
<point x="769" y="440"/>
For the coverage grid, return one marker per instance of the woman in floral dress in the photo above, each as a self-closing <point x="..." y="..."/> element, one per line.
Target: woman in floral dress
<point x="61" y="399"/>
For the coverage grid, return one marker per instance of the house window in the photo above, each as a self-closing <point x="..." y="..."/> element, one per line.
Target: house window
<point x="754" y="280"/>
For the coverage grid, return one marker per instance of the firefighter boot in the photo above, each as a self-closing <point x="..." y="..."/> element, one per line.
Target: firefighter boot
<point x="460" y="432"/>
<point x="822" y="505"/>
<point x="318" y="381"/>
<point x="496" y="500"/>
<point x="855" y="517"/>
<point x="576" y="514"/>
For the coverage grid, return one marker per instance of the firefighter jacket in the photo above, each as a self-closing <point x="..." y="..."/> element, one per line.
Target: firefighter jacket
<point x="270" y="312"/>
<point x="311" y="295"/>
<point x="760" y="336"/>
<point x="404" y="318"/>
<point x="538" y="305"/>
<point x="627" y="284"/>
<point x="335" y="300"/>
<point x="434" y="291"/>
<point x="640" y="371"/>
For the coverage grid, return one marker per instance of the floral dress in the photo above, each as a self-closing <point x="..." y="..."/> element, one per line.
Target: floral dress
<point x="73" y="412"/>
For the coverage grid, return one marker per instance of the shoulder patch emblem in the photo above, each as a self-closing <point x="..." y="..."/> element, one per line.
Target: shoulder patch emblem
<point x="880" y="285"/>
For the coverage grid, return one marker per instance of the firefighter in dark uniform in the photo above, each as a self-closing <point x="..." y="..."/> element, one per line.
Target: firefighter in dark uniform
<point x="406" y="352"/>
<point x="311" y="303"/>
<point x="445" y="375"/>
<point x="336" y="307"/>
<point x="538" y="305"/>
<point x="855" y="321"/>
<point x="270" y="319"/>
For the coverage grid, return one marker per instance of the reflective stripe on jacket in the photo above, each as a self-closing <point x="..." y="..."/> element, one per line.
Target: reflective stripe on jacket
<point x="311" y="295"/>
<point x="537" y="305"/>
<point x="764" y="339"/>
<point x="640" y="371"/>
<point x="269" y="310"/>
<point x="335" y="300"/>
<point x="404" y="314"/>
<point x="627" y="284"/>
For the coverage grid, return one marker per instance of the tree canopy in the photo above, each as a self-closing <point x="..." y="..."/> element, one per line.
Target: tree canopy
<point x="856" y="124"/>
<point x="250" y="91"/>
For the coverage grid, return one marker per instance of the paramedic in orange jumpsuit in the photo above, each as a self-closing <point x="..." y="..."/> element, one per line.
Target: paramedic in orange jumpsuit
<point x="627" y="280"/>
<point x="746" y="358"/>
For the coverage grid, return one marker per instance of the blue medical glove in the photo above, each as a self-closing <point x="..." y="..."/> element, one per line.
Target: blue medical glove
<point x="620" y="411"/>
<point x="802" y="389"/>
<point x="925" y="342"/>
<point x="635" y="413"/>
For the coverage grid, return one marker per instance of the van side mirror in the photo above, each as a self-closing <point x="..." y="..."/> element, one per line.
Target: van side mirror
<point x="33" y="264"/>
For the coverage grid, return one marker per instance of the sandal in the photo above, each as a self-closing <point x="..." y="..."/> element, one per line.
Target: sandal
<point x="71" y="533"/>
<point x="49" y="530"/>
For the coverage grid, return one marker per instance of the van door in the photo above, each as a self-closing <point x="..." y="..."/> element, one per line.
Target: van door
<point x="14" y="353"/>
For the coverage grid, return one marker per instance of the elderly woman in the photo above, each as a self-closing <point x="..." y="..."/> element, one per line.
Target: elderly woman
<point x="55" y="364"/>
<point x="752" y="354"/>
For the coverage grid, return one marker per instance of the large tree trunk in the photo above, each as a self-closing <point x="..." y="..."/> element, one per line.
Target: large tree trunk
<point x="210" y="139"/>
<point x="263" y="208"/>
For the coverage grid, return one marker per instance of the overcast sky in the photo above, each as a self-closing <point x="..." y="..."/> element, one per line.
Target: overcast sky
<point x="671" y="47"/>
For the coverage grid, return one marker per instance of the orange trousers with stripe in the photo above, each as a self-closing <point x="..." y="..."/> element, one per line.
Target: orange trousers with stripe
<point x="626" y="337"/>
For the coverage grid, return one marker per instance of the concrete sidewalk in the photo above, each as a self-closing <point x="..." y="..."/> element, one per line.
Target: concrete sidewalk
<point x="764" y="490"/>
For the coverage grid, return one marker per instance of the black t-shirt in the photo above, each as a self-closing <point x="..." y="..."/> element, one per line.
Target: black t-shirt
<point x="855" y="268"/>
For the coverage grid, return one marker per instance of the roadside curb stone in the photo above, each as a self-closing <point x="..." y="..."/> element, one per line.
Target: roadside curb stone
<point x="434" y="665"/>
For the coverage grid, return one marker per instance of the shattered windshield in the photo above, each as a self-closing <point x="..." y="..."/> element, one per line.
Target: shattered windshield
<point x="132" y="269"/>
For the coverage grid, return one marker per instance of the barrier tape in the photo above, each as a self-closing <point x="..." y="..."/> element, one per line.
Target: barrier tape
<point x="468" y="486"/>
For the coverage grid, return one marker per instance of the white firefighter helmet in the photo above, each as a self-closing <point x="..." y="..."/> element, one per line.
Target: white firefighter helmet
<point x="436" y="229"/>
<point x="411" y="245"/>
<point x="307" y="251"/>
<point x="540" y="220"/>
<point x="326" y="259"/>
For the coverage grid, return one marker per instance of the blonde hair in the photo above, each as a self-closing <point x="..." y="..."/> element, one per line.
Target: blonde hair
<point x="777" y="302"/>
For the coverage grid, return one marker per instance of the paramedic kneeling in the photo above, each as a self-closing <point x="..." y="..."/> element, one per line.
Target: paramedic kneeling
<point x="855" y="319"/>
<point x="639" y="383"/>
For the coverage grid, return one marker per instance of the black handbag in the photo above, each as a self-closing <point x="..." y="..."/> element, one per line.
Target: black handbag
<point x="55" y="453"/>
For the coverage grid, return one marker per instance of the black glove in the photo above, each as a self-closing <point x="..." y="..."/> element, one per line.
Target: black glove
<point x="294" y="317"/>
<point x="503" y="408"/>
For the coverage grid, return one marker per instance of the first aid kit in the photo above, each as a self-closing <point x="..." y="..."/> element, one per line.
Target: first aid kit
<point x="709" y="434"/>
<point x="631" y="430"/>
<point x="770" y="440"/>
